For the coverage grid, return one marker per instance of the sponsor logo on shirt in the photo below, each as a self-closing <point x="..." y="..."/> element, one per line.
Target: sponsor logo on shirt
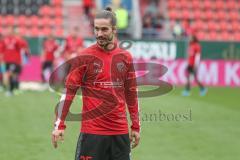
<point x="120" y="66"/>
<point x="97" y="68"/>
<point x="109" y="84"/>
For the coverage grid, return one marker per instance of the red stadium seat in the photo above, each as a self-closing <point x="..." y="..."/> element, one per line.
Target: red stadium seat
<point x="9" y="20"/>
<point x="223" y="25"/>
<point x="58" y="21"/>
<point x="34" y="31"/>
<point x="173" y="14"/>
<point x="208" y="15"/>
<point x="213" y="26"/>
<point x="172" y="4"/>
<point x="23" y="30"/>
<point x="232" y="5"/>
<point x="229" y="26"/>
<point x="197" y="14"/>
<point x="213" y="35"/>
<point x="22" y="20"/>
<point x="185" y="4"/>
<point x="57" y="2"/>
<point x="234" y="15"/>
<point x="34" y="20"/>
<point x="52" y="22"/>
<point x="236" y="26"/>
<point x="1" y="20"/>
<point x="221" y="15"/>
<point x="2" y="29"/>
<point x="237" y="36"/>
<point x="201" y="35"/>
<point x="58" y="31"/>
<point x="213" y="19"/>
<point x="198" y="25"/>
<point x="45" y="21"/>
<point x="58" y="11"/>
<point x="207" y="4"/>
<point x="46" y="31"/>
<point x="186" y="14"/>
<point x="196" y="5"/>
<point x="220" y="4"/>
<point x="225" y="36"/>
<point x="45" y="11"/>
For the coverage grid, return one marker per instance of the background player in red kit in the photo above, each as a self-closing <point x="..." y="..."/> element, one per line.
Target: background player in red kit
<point x="194" y="55"/>
<point x="2" y="64"/>
<point x="106" y="76"/>
<point x="12" y="47"/>
<point x="73" y="44"/>
<point x="50" y="46"/>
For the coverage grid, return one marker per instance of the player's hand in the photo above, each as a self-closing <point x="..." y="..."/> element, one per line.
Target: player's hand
<point x="57" y="135"/>
<point x="134" y="138"/>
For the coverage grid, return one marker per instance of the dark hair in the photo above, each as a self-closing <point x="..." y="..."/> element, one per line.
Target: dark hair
<point x="107" y="13"/>
<point x="194" y="39"/>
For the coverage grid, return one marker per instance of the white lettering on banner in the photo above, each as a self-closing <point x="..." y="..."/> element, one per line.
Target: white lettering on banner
<point x="172" y="51"/>
<point x="208" y="75"/>
<point x="150" y="76"/>
<point x="181" y="72"/>
<point x="211" y="73"/>
<point x="163" y="51"/>
<point x="159" y="50"/>
<point x="170" y="76"/>
<point x="231" y="74"/>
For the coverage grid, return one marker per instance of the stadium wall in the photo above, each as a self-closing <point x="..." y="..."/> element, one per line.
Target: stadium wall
<point x="165" y="50"/>
<point x="211" y="72"/>
<point x="220" y="65"/>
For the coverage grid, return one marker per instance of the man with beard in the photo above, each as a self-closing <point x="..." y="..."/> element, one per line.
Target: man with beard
<point x="106" y="76"/>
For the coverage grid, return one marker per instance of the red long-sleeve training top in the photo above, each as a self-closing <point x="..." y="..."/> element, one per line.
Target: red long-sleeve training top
<point x="108" y="84"/>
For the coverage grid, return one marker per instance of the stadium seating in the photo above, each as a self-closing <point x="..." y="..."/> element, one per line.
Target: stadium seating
<point x="213" y="20"/>
<point x="33" y="17"/>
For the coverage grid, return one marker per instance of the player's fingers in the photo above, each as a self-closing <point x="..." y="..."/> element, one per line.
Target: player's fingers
<point x="130" y="137"/>
<point x="61" y="137"/>
<point x="54" y="141"/>
<point x="136" y="141"/>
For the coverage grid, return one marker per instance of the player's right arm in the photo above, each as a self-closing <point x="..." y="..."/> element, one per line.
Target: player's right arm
<point x="72" y="84"/>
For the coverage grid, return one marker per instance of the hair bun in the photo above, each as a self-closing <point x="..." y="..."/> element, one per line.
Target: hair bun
<point x="108" y="9"/>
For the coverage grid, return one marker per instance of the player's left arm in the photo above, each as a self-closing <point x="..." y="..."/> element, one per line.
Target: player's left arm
<point x="132" y="103"/>
<point x="197" y="57"/>
<point x="197" y="60"/>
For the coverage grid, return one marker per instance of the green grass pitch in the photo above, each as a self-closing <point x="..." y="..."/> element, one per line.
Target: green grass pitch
<point x="209" y="131"/>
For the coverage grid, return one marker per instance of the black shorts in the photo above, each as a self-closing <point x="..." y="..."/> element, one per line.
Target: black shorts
<point x="47" y="65"/>
<point x="15" y="68"/>
<point x="191" y="69"/>
<point x="100" y="147"/>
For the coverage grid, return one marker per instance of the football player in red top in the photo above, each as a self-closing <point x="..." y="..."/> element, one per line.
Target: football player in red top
<point x="2" y="64"/>
<point x="73" y="44"/>
<point x="105" y="74"/>
<point x="194" y="54"/>
<point x="12" y="47"/>
<point x="49" y="47"/>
